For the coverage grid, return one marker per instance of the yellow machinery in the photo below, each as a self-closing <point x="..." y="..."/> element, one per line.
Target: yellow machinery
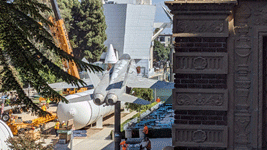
<point x="61" y="38"/>
<point x="17" y="125"/>
<point x="73" y="90"/>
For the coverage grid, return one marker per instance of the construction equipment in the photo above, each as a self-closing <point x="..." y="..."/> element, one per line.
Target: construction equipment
<point x="61" y="38"/>
<point x="18" y="126"/>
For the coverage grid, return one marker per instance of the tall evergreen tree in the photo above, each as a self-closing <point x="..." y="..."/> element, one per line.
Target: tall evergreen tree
<point x="160" y="52"/>
<point x="20" y="32"/>
<point x="88" y="29"/>
<point x="85" y="23"/>
<point x="66" y="9"/>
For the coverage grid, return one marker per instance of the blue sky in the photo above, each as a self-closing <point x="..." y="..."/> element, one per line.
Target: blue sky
<point x="160" y="14"/>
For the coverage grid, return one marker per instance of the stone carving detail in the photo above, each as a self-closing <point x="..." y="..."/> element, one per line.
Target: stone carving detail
<point x="260" y="15"/>
<point x="242" y="14"/>
<point x="200" y="63"/>
<point x="200" y="99"/>
<point x="242" y="80"/>
<point x="183" y="100"/>
<point x="195" y="63"/>
<point x="199" y="26"/>
<point x="199" y="136"/>
<point x="204" y="136"/>
<point x="242" y="132"/>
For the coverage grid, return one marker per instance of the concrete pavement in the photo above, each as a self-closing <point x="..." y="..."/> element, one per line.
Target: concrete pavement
<point x="99" y="140"/>
<point x="156" y="144"/>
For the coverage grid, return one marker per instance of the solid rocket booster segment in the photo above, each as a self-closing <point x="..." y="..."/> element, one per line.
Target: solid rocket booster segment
<point x="83" y="113"/>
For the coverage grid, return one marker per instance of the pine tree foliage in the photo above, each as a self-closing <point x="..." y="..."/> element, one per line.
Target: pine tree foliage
<point x="20" y="31"/>
<point x="88" y="29"/>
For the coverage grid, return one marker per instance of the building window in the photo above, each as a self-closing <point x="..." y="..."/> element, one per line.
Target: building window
<point x="162" y="39"/>
<point x="169" y="39"/>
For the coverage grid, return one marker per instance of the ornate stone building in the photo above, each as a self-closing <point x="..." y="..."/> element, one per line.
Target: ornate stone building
<point x="220" y="74"/>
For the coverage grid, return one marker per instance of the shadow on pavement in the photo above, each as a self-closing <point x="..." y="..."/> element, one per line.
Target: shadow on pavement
<point x="156" y="144"/>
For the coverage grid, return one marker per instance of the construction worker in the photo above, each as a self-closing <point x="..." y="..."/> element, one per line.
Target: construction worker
<point x="43" y="107"/>
<point x="148" y="146"/>
<point x="145" y="131"/>
<point x="47" y="103"/>
<point x="63" y="124"/>
<point x="56" y="127"/>
<point x="124" y="145"/>
<point x="158" y="100"/>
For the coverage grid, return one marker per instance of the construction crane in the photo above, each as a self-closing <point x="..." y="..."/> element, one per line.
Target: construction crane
<point x="61" y="38"/>
<point x="60" y="35"/>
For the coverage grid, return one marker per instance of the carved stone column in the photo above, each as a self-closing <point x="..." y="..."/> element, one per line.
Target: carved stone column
<point x="242" y="81"/>
<point x="200" y="100"/>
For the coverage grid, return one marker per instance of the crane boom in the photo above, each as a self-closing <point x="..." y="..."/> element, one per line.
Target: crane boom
<point x="62" y="40"/>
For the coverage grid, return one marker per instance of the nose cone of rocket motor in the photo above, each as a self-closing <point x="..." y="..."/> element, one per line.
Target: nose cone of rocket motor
<point x="80" y="112"/>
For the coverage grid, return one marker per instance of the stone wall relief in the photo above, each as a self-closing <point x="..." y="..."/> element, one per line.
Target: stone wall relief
<point x="243" y="52"/>
<point x="199" y="135"/>
<point x="201" y="99"/>
<point x="195" y="63"/>
<point x="242" y="80"/>
<point x="242" y="121"/>
<point x="199" y="26"/>
<point x="260" y="14"/>
<point x="200" y="63"/>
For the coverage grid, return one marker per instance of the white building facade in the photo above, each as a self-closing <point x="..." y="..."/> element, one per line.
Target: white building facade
<point x="164" y="39"/>
<point x="130" y="29"/>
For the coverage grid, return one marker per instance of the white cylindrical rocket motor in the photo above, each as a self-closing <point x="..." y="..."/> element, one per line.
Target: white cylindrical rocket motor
<point x="83" y="113"/>
<point x="5" y="133"/>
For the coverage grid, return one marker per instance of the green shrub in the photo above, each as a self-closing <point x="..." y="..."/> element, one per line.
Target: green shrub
<point x="138" y="115"/>
<point x="26" y="142"/>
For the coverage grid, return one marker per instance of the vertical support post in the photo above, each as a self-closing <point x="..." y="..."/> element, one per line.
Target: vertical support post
<point x="171" y="61"/>
<point x="99" y="122"/>
<point x="117" y="126"/>
<point x="2" y="109"/>
<point x="71" y="140"/>
<point x="155" y="94"/>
